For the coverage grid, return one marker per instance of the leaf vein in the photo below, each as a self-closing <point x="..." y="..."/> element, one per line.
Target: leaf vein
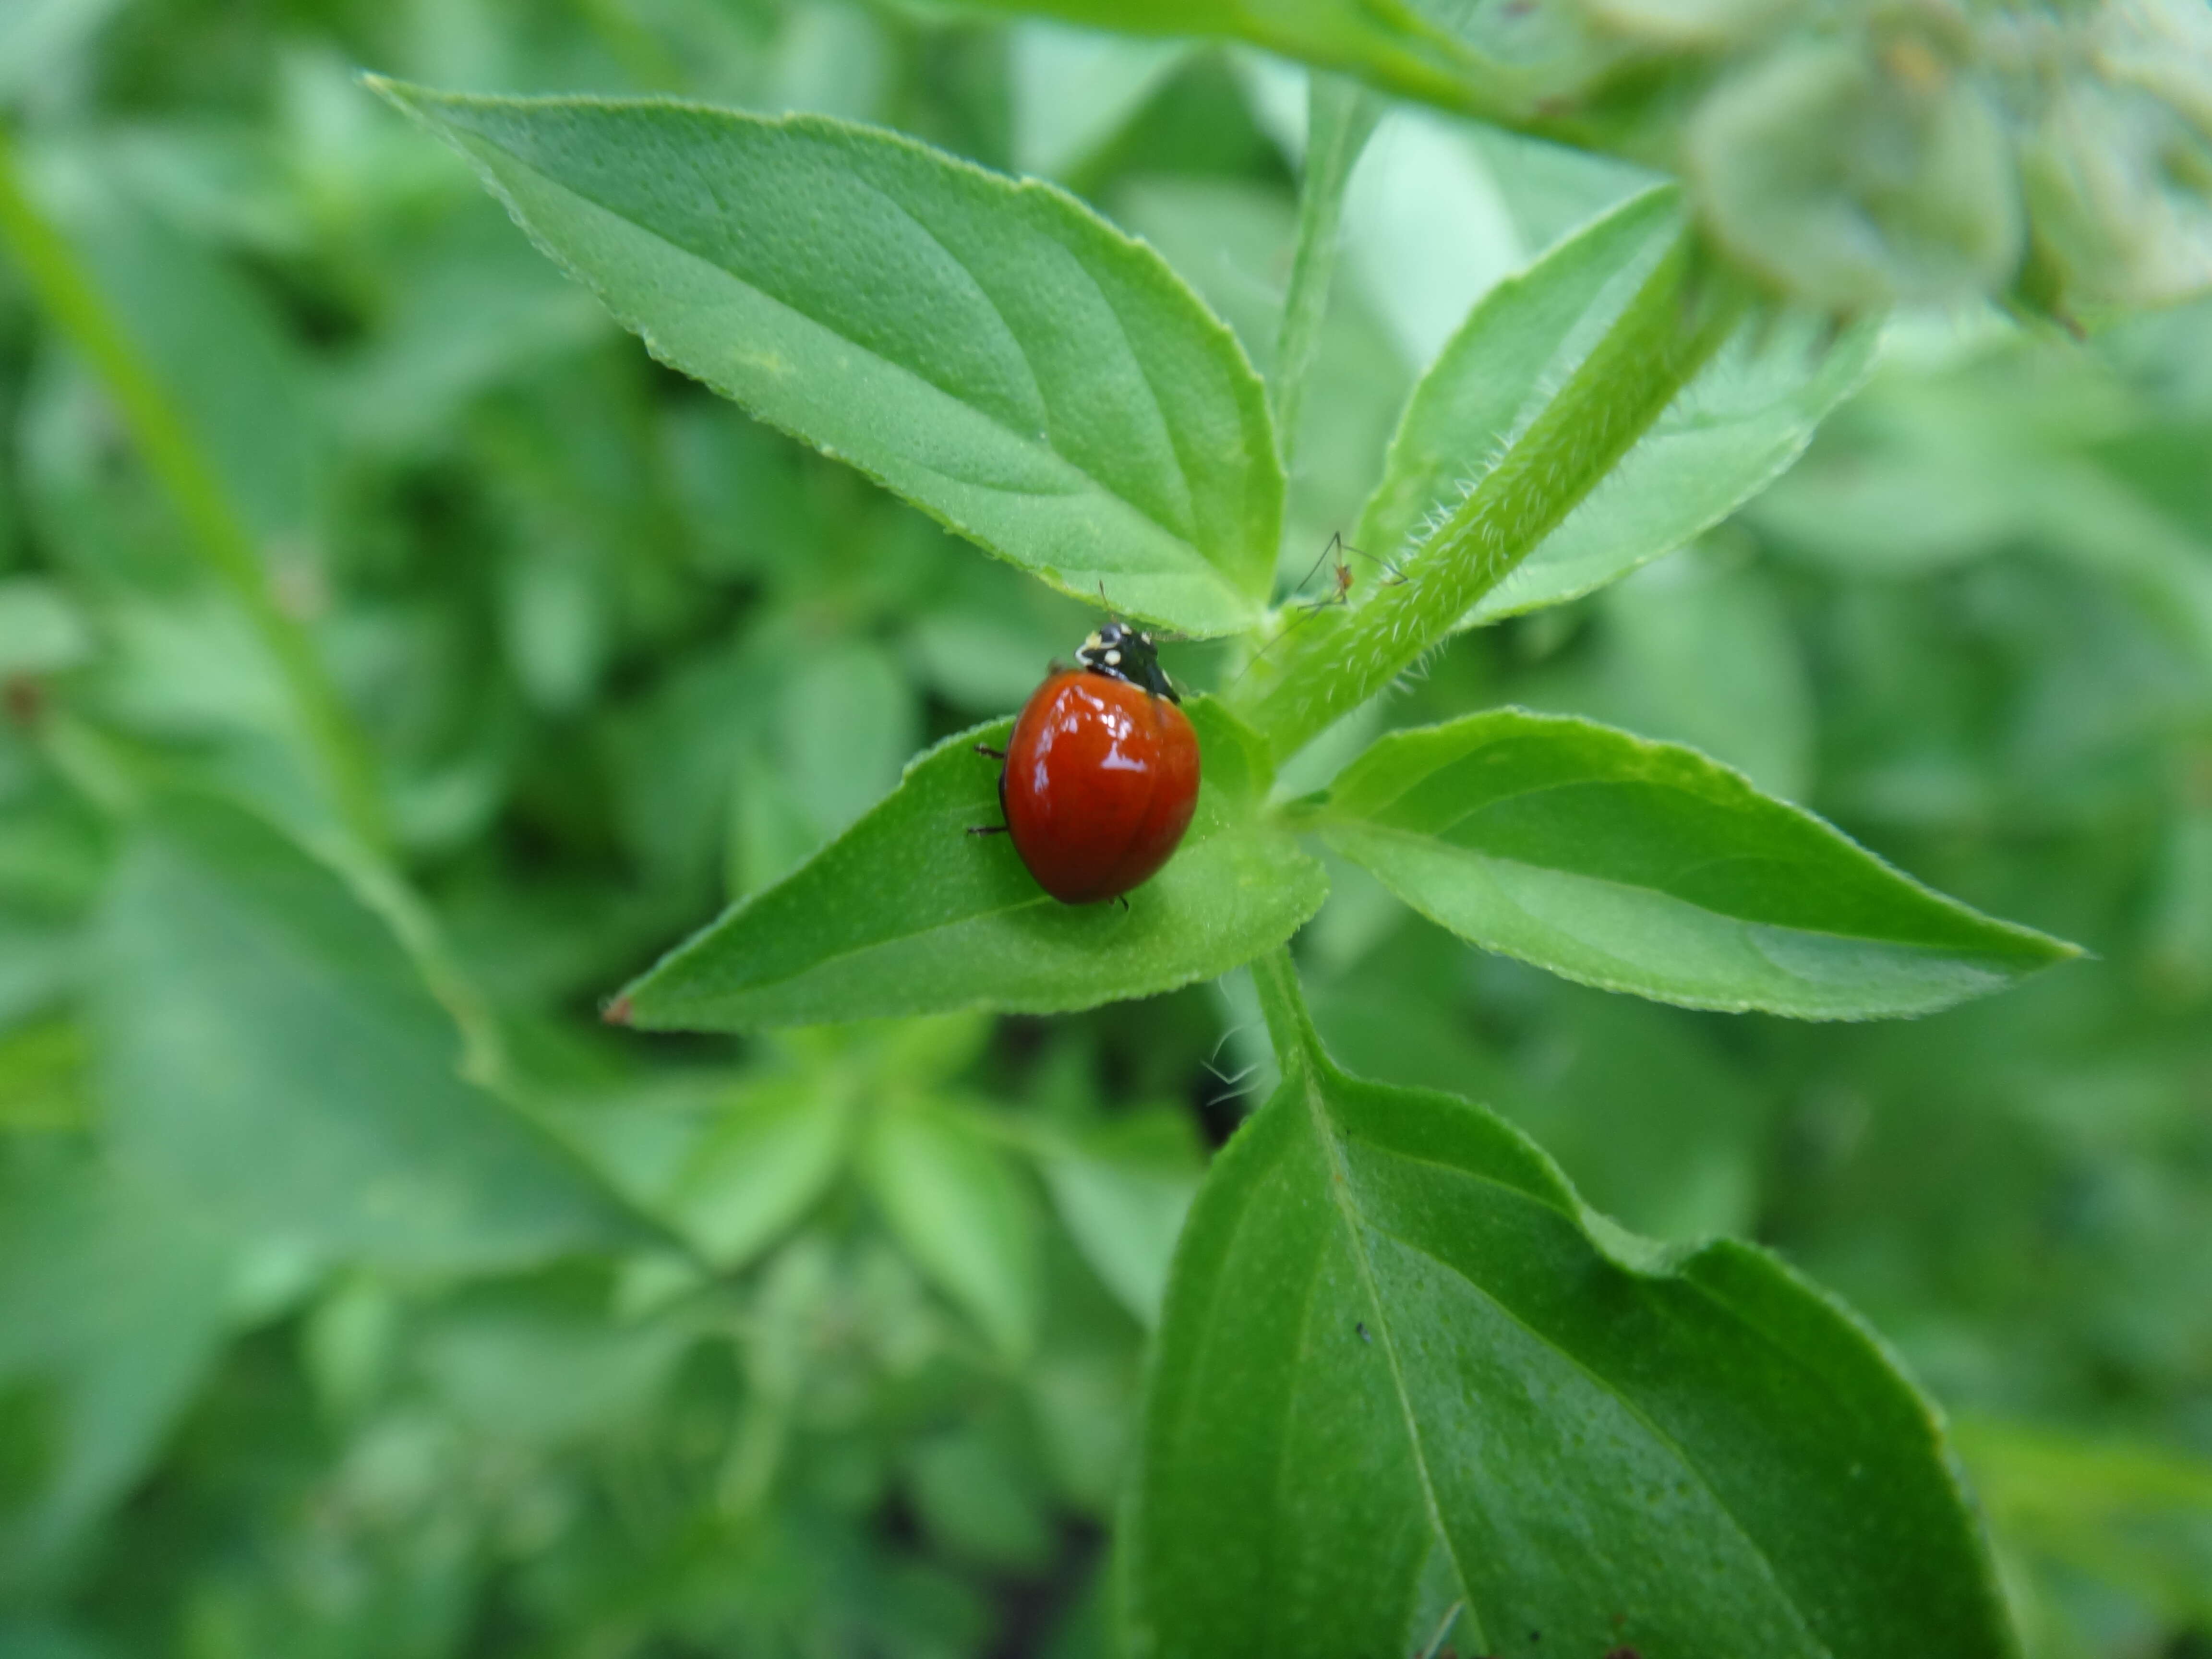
<point x="1596" y="1379"/>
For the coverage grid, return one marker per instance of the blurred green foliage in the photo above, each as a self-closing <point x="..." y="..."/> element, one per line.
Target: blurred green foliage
<point x="828" y="1343"/>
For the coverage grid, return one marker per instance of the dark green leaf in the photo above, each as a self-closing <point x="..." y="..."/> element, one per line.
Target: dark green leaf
<point x="1736" y="426"/>
<point x="1645" y="867"/>
<point x="1401" y="1366"/>
<point x="263" y="1044"/>
<point x="990" y="350"/>
<point x="907" y="914"/>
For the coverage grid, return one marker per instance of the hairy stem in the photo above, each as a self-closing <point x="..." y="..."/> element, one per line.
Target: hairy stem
<point x="68" y="295"/>
<point x="1336" y="660"/>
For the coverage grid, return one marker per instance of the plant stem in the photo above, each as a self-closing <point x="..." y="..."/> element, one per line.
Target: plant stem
<point x="1290" y="1028"/>
<point x="1341" y="116"/>
<point x="1338" y="660"/>
<point x="70" y="298"/>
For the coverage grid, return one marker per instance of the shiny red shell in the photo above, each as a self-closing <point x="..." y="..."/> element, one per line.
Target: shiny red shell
<point x="1100" y="779"/>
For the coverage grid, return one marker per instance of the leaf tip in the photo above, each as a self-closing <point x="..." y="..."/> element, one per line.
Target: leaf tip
<point x="618" y="1012"/>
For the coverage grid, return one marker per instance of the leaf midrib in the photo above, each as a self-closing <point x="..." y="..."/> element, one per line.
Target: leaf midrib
<point x="1324" y="1126"/>
<point x="1425" y="839"/>
<point x="1340" y="1188"/>
<point x="818" y="964"/>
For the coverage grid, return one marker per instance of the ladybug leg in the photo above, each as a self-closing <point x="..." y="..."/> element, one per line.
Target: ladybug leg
<point x="994" y="829"/>
<point x="1122" y="899"/>
<point x="985" y="749"/>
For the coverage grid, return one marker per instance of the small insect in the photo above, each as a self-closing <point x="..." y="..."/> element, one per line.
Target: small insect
<point x="1340" y="574"/>
<point x="1339" y="592"/>
<point x="1360" y="1326"/>
<point x="1101" y="775"/>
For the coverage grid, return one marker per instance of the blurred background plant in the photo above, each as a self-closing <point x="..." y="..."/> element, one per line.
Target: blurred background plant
<point x="828" y="1343"/>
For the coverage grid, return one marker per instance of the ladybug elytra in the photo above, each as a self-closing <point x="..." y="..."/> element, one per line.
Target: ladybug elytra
<point x="1101" y="775"/>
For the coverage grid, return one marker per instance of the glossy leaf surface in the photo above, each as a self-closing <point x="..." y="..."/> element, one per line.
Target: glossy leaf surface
<point x="1401" y="1366"/>
<point x="1645" y="867"/>
<point x="990" y="350"/>
<point x="907" y="914"/>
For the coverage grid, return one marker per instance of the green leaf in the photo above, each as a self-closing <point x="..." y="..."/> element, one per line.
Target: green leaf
<point x="41" y="41"/>
<point x="907" y="914"/>
<point x="1074" y="92"/>
<point x="42" y="631"/>
<point x="964" y="1212"/>
<point x="526" y="1363"/>
<point x="2136" y="1514"/>
<point x="42" y="1084"/>
<point x="1645" y="867"/>
<point x="1122" y="1188"/>
<point x="1696" y="650"/>
<point x="978" y="1500"/>
<point x="219" y="351"/>
<point x="990" y="350"/>
<point x="112" y="1301"/>
<point x="1402" y="1366"/>
<point x="1735" y="428"/>
<point x="1423" y="49"/>
<point x="1648" y="351"/>
<point x="775" y="1147"/>
<point x="1340" y="118"/>
<point x="263" y="1044"/>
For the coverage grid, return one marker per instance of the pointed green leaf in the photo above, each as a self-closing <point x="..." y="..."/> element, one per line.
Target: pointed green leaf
<point x="1735" y="429"/>
<point x="1402" y="1367"/>
<point x="262" y="1045"/>
<point x="1646" y="867"/>
<point x="111" y="1304"/>
<point x="907" y="914"/>
<point x="775" y="1147"/>
<point x="965" y="1212"/>
<point x="1122" y="1188"/>
<point x="990" y="350"/>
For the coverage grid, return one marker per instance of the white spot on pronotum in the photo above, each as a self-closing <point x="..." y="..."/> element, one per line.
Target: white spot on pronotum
<point x="1113" y="660"/>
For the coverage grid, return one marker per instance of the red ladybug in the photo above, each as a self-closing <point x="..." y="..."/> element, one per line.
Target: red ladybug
<point x="1101" y="775"/>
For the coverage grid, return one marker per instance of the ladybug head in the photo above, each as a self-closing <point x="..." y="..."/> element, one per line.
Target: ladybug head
<point x="1123" y="653"/>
